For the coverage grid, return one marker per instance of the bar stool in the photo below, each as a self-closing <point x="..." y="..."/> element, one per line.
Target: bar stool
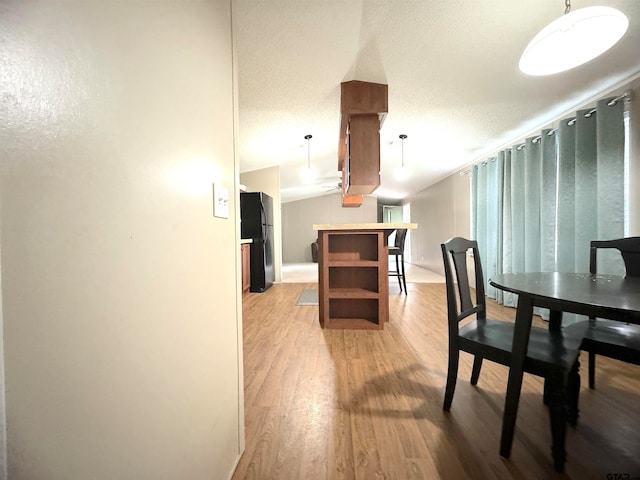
<point x="397" y="250"/>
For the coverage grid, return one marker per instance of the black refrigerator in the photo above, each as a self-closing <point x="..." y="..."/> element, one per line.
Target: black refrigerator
<point x="256" y="217"/>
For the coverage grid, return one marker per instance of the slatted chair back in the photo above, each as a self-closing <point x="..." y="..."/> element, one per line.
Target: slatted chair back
<point x="629" y="248"/>
<point x="454" y="252"/>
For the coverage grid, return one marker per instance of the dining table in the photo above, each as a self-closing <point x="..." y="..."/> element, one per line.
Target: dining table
<point x="614" y="297"/>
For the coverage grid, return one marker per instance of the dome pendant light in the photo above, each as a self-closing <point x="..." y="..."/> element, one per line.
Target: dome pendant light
<point x="573" y="39"/>
<point x="402" y="172"/>
<point x="308" y="174"/>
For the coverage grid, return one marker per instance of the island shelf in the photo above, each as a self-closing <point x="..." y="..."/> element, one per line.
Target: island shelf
<point x="353" y="282"/>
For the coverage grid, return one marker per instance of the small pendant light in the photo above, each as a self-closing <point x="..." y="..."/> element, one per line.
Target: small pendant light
<point x="402" y="172"/>
<point x="308" y="173"/>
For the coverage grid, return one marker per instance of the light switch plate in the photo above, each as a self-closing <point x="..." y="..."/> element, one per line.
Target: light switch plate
<point x="220" y="201"/>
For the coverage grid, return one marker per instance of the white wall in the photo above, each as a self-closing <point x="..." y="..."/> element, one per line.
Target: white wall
<point x="267" y="180"/>
<point x="298" y="218"/>
<point x="441" y="212"/>
<point x="119" y="287"/>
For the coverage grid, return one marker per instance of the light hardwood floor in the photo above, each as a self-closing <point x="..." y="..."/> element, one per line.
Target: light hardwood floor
<point x="308" y="273"/>
<point x="349" y="404"/>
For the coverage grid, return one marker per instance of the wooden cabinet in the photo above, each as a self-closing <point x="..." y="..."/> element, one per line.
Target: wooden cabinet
<point x="349" y="200"/>
<point x="353" y="279"/>
<point x="363" y="155"/>
<point x="246" y="266"/>
<point x="363" y="108"/>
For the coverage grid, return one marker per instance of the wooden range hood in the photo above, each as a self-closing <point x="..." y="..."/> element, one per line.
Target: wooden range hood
<point x="363" y="108"/>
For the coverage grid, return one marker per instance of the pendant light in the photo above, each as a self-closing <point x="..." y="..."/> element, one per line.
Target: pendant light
<point x="308" y="173"/>
<point x="402" y="172"/>
<point x="573" y="39"/>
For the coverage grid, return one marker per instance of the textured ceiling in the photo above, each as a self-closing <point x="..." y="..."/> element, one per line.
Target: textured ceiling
<point x="452" y="69"/>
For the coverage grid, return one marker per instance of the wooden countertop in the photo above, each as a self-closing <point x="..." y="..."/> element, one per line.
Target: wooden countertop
<point x="364" y="226"/>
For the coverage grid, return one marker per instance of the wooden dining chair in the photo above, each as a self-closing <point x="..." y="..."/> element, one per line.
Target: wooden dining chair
<point x="610" y="338"/>
<point x="397" y="251"/>
<point x="551" y="354"/>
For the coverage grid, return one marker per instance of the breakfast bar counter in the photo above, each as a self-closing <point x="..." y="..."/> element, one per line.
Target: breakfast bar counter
<point x="353" y="282"/>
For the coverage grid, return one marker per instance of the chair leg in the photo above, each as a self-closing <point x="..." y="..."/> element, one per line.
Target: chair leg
<point x="452" y="376"/>
<point x="558" y="417"/>
<point x="404" y="278"/>
<point x="398" y="273"/>
<point x="573" y="394"/>
<point x="592" y="370"/>
<point x="475" y="373"/>
<point x="547" y="390"/>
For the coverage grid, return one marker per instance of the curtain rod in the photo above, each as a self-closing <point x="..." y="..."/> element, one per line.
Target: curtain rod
<point x="626" y="96"/>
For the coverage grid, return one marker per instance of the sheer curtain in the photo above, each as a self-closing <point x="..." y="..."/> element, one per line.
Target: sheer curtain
<point x="538" y="205"/>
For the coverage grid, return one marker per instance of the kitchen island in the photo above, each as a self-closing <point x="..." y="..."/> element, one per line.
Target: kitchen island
<point x="353" y="276"/>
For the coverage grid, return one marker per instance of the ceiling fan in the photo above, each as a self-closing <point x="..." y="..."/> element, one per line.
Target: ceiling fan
<point x="329" y="188"/>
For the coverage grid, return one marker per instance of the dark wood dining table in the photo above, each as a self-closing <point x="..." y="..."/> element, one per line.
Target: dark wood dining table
<point x="607" y="296"/>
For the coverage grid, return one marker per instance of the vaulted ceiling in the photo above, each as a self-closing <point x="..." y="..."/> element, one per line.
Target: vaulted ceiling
<point x="455" y="88"/>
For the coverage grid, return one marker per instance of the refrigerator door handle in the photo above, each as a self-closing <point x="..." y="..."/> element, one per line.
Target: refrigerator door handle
<point x="263" y="213"/>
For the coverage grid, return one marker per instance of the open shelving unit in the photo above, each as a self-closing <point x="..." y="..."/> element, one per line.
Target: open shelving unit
<point x="353" y="278"/>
